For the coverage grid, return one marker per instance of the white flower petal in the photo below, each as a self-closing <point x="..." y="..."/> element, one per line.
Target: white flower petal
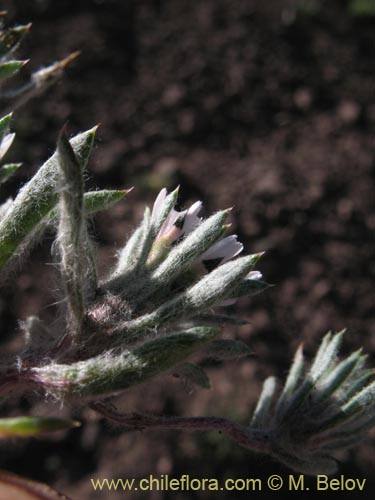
<point x="195" y="208"/>
<point x="225" y="249"/>
<point x="254" y="275"/>
<point x="158" y="203"/>
<point x="169" y="222"/>
<point x="228" y="302"/>
<point x="192" y="220"/>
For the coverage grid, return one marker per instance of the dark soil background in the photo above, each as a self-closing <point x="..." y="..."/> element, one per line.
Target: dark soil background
<point x="264" y="105"/>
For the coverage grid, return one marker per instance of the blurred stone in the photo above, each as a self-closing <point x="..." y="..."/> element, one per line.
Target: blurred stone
<point x="302" y="98"/>
<point x="186" y="121"/>
<point x="348" y="111"/>
<point x="166" y="167"/>
<point x="173" y="95"/>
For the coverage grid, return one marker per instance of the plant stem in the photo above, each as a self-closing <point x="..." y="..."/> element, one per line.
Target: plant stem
<point x="248" y="438"/>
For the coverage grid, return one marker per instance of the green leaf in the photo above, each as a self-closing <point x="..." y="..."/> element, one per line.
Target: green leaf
<point x="50" y="74"/>
<point x="94" y="201"/>
<point x="219" y="319"/>
<point x="71" y="231"/>
<point x="11" y="38"/>
<point x="262" y="412"/>
<point x="362" y="8"/>
<point x="37" y="198"/>
<point x="33" y="426"/>
<point x="194" y="374"/>
<point x="227" y="349"/>
<point x="6" y="171"/>
<point x="4" y="125"/>
<point x="294" y="378"/>
<point x="336" y="378"/>
<point x="181" y="256"/>
<point x="157" y="221"/>
<point x="110" y="373"/>
<point x="10" y="68"/>
<point x="249" y="287"/>
<point x="131" y="253"/>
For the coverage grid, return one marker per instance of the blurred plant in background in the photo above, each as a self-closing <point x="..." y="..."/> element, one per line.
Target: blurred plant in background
<point x="357" y="8"/>
<point x="156" y="307"/>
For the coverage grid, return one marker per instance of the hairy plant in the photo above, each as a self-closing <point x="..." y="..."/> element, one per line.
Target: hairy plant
<point x="152" y="311"/>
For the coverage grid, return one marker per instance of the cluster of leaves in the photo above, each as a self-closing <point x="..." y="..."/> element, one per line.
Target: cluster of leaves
<point x="155" y="309"/>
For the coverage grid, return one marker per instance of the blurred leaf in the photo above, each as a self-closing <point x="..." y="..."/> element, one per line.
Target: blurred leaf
<point x="219" y="319"/>
<point x="33" y="426"/>
<point x="37" y="198"/>
<point x="249" y="287"/>
<point x="10" y="68"/>
<point x="362" y="7"/>
<point x="45" y="76"/>
<point x="4" y="125"/>
<point x="11" y="38"/>
<point x="227" y="349"/>
<point x="40" y="81"/>
<point x="13" y="487"/>
<point x="309" y="7"/>
<point x="194" y="374"/>
<point x="8" y="170"/>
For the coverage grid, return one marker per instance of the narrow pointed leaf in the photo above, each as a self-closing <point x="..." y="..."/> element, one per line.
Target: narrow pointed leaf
<point x="291" y="383"/>
<point x="37" y="198"/>
<point x="11" y="38"/>
<point x="249" y="287"/>
<point x="33" y="426"/>
<point x="219" y="319"/>
<point x="337" y="376"/>
<point x="194" y="374"/>
<point x="4" y="125"/>
<point x="359" y="405"/>
<point x="6" y="171"/>
<point x="226" y="349"/>
<point x="40" y="81"/>
<point x="5" y="144"/>
<point x="4" y="207"/>
<point x="261" y="413"/>
<point x="95" y="201"/>
<point x="326" y="356"/>
<point x="357" y="385"/>
<point x="107" y="374"/>
<point x="10" y="68"/>
<point x="156" y="223"/>
<point x="71" y="230"/>
<point x="190" y="248"/>
<point x="313" y="466"/>
<point x="46" y="76"/>
<point x="130" y="255"/>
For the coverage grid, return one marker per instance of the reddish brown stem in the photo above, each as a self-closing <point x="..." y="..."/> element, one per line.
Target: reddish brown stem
<point x="248" y="438"/>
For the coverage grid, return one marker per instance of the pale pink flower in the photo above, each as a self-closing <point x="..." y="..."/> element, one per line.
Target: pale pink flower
<point x="177" y="224"/>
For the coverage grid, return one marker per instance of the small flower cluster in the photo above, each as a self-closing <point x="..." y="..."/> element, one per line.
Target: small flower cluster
<point x="153" y="301"/>
<point x="181" y="224"/>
